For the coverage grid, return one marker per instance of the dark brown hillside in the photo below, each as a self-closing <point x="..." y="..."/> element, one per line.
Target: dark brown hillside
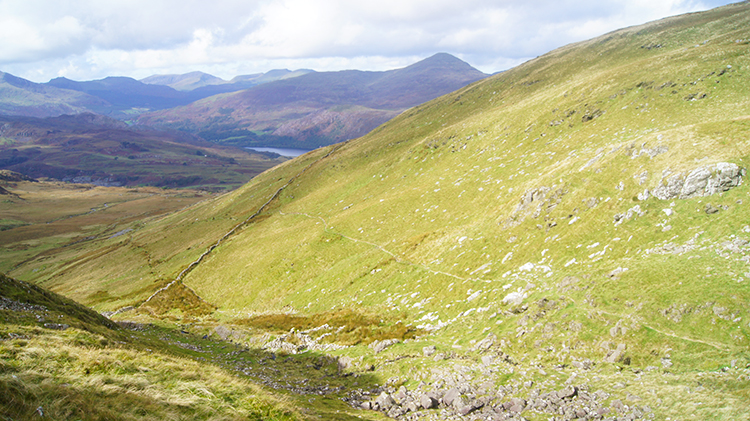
<point x="89" y="148"/>
<point x="318" y="108"/>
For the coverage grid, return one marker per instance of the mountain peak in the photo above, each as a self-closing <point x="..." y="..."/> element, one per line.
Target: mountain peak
<point x="442" y="61"/>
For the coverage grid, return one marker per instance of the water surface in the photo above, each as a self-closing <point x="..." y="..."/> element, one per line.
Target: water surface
<point x="290" y="152"/>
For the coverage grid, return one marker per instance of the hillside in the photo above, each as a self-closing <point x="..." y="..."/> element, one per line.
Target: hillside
<point x="125" y="94"/>
<point x="566" y="239"/>
<point x="62" y="360"/>
<point x="89" y="148"/>
<point x="25" y="98"/>
<point x="318" y="108"/>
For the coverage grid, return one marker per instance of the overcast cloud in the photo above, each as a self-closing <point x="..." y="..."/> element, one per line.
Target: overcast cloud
<point x="92" y="39"/>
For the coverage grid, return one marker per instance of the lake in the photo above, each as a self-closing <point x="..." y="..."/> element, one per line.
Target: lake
<point x="290" y="152"/>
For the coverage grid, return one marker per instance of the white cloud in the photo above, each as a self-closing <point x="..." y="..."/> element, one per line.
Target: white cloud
<point x="89" y="39"/>
<point x="24" y="41"/>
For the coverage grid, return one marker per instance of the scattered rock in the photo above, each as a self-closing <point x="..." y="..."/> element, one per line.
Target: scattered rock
<point x="7" y="175"/>
<point x="12" y="305"/>
<point x="380" y="346"/>
<point x="617" y="272"/>
<point x="514" y="298"/>
<point x="385" y="401"/>
<point x="428" y="402"/>
<point x="516" y="405"/>
<point x="451" y="396"/>
<point x="56" y="326"/>
<point x="345" y="362"/>
<point x="622" y="217"/>
<point x="618" y="406"/>
<point x="534" y="202"/>
<point x="428" y="350"/>
<point x="710" y="209"/>
<point x="411" y="407"/>
<point x="467" y="409"/>
<point x="568" y="392"/>
<point x="295" y="342"/>
<point x="487" y="360"/>
<point x="485" y="343"/>
<point x="617" y="355"/>
<point x="223" y="332"/>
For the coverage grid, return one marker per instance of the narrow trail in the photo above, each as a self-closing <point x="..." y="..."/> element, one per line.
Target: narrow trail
<point x="720" y="347"/>
<point x="684" y="338"/>
<point x="247" y="220"/>
<point x="395" y="257"/>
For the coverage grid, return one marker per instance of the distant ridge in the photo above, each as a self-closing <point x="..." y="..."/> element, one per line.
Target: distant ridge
<point x="125" y="98"/>
<point x="22" y="97"/>
<point x="202" y="85"/>
<point x="123" y="93"/>
<point x="318" y="108"/>
<point x="184" y="82"/>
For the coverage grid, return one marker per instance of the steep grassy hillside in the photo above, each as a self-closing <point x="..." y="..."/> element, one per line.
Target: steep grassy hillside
<point x="60" y="360"/>
<point x="569" y="238"/>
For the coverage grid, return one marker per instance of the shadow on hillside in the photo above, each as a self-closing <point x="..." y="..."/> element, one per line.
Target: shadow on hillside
<point x="324" y="384"/>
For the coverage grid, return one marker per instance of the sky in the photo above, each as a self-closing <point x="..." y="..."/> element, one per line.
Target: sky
<point x="93" y="39"/>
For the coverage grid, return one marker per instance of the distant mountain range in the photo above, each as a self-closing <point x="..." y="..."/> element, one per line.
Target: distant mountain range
<point x="205" y="83"/>
<point x="299" y="108"/>
<point x="318" y="108"/>
<point x="120" y="97"/>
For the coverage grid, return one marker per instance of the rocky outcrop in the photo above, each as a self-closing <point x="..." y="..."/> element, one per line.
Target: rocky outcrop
<point x="296" y="341"/>
<point x="702" y="181"/>
<point x="380" y="346"/>
<point x="534" y="203"/>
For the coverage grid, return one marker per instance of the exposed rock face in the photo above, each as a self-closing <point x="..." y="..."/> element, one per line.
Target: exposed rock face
<point x="534" y="202"/>
<point x="380" y="346"/>
<point x="297" y="341"/>
<point x="702" y="181"/>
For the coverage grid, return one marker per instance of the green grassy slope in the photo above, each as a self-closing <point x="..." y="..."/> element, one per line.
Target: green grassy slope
<point x="515" y="207"/>
<point x="60" y="360"/>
